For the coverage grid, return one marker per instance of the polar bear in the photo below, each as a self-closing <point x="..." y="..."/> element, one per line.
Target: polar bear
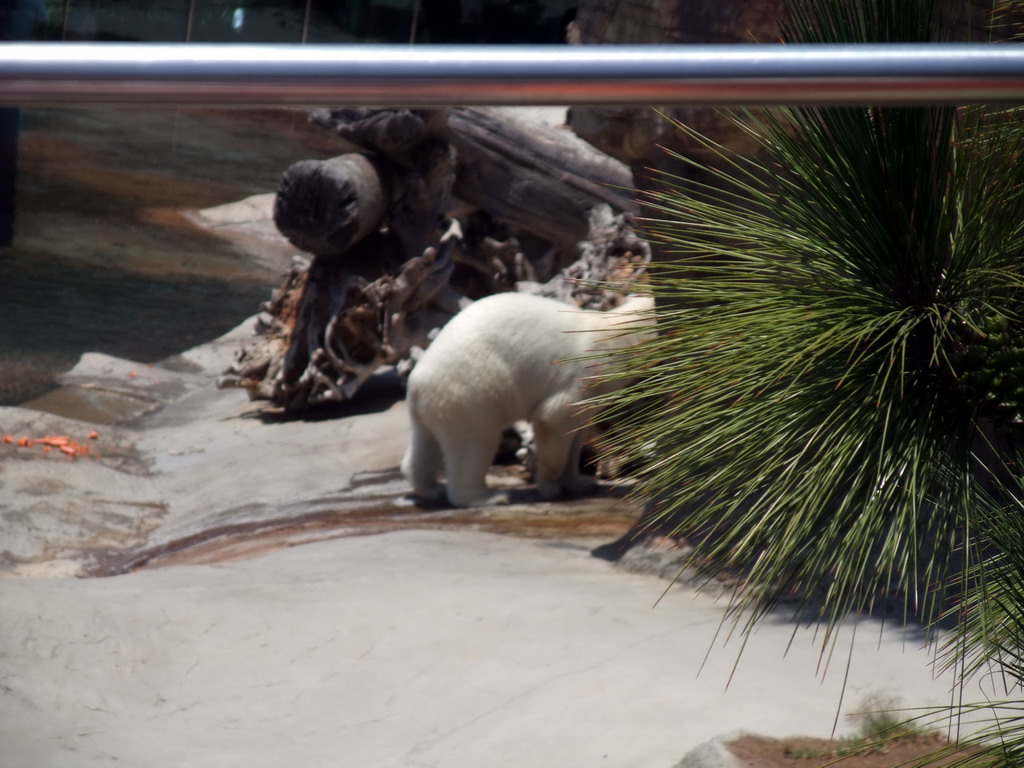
<point x="507" y="357"/>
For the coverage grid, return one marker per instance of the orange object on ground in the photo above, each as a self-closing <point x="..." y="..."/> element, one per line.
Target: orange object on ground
<point x="55" y="440"/>
<point x="65" y="444"/>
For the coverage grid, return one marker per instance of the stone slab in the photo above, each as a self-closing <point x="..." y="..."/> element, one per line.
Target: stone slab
<point x="713" y="754"/>
<point x="446" y="649"/>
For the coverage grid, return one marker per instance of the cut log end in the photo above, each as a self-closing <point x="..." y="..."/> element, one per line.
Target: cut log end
<point x="324" y="207"/>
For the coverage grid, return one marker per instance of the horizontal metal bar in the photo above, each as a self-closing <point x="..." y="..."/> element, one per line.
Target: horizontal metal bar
<point x="528" y="75"/>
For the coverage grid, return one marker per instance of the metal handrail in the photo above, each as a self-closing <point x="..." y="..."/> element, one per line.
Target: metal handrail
<point x="248" y="75"/>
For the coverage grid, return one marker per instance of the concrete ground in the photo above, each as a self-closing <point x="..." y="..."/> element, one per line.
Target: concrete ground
<point x="272" y="599"/>
<point x="412" y="648"/>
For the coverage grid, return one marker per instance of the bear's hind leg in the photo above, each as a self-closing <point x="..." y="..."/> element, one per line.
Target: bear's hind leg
<point x="466" y="460"/>
<point x="573" y="480"/>
<point x="558" y="450"/>
<point x="422" y="462"/>
<point x="559" y="432"/>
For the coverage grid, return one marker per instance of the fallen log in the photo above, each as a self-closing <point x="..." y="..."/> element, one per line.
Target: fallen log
<point x="533" y="177"/>
<point x="392" y="133"/>
<point x="327" y="329"/>
<point x="324" y="207"/>
<point x="612" y="261"/>
<point x="395" y="256"/>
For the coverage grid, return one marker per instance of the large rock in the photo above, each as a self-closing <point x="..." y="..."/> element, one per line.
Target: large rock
<point x="181" y="471"/>
<point x="448" y="648"/>
<point x="287" y="635"/>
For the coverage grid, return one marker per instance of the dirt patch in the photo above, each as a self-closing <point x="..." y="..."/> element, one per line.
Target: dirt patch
<point x="374" y="504"/>
<point x="801" y="752"/>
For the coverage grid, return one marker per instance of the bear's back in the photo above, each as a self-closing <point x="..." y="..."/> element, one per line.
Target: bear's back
<point x="508" y="347"/>
<point x="516" y="330"/>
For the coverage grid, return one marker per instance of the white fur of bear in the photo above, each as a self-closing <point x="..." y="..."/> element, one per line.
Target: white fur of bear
<point x="508" y="357"/>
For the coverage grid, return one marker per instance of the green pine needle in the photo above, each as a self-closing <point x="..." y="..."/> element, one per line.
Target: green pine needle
<point x="833" y="410"/>
<point x="803" y="413"/>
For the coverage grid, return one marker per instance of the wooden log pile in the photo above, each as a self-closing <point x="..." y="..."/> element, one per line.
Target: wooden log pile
<point x="435" y="209"/>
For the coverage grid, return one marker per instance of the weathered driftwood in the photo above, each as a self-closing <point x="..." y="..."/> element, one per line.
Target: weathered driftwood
<point x="611" y="250"/>
<point x="392" y="133"/>
<point x="540" y="211"/>
<point x="541" y="179"/>
<point x="324" y="207"/>
<point x="367" y="306"/>
<point x="534" y="177"/>
<point x="327" y="329"/>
